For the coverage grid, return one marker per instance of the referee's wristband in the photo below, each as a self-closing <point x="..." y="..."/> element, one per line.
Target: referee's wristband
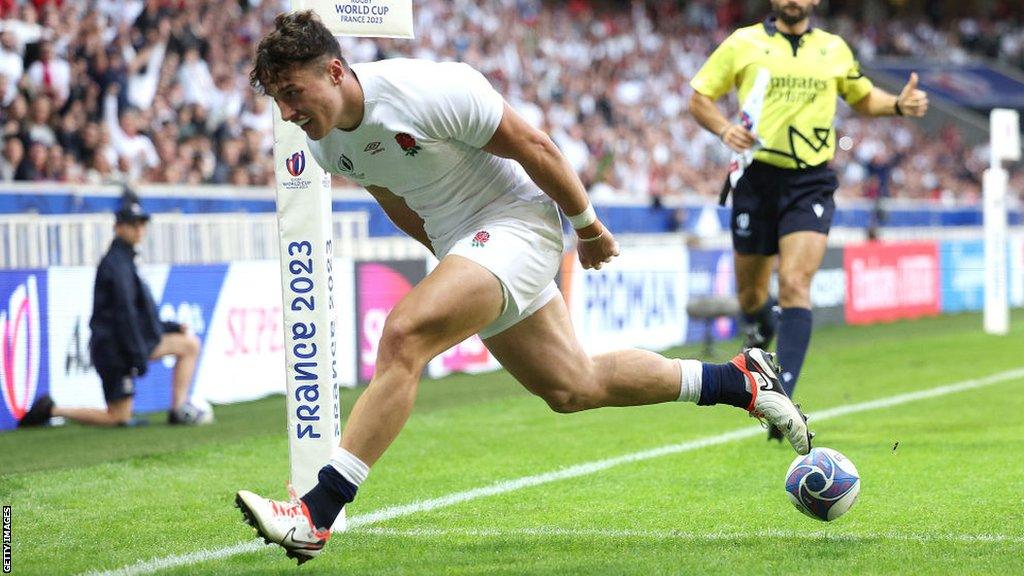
<point x="896" y="107"/>
<point x="583" y="219"/>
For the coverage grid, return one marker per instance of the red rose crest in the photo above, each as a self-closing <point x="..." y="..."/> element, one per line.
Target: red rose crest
<point x="481" y="238"/>
<point x="408" y="143"/>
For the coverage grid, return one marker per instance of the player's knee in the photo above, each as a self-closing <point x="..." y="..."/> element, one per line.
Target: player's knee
<point x="192" y="345"/>
<point x="794" y="287"/>
<point x="751" y="300"/>
<point x="563" y="401"/>
<point x="399" y="343"/>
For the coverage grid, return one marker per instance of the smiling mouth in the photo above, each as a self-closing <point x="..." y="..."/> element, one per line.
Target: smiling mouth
<point x="301" y="122"/>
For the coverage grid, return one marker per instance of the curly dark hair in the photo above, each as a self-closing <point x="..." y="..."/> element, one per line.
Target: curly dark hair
<point x="298" y="39"/>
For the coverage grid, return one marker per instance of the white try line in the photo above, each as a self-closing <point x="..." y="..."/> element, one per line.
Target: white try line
<point x="156" y="564"/>
<point x="613" y="534"/>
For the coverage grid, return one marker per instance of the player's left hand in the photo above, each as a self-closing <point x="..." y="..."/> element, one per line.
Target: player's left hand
<point x="912" y="100"/>
<point x="596" y="250"/>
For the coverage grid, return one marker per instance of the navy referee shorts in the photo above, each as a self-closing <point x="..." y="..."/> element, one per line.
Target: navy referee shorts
<point x="770" y="202"/>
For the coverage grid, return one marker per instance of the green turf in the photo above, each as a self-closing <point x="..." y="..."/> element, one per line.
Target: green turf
<point x="87" y="499"/>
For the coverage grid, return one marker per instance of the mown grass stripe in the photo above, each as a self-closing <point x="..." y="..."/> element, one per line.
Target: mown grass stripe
<point x="556" y="532"/>
<point x="384" y="514"/>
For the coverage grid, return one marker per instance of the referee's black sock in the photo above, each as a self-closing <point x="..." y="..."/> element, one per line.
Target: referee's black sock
<point x="766" y="320"/>
<point x="794" y="338"/>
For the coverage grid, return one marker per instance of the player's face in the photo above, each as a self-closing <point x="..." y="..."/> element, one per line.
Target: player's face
<point x="793" y="11"/>
<point x="309" y="97"/>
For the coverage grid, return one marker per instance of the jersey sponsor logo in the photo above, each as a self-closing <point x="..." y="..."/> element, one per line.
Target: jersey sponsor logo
<point x="346" y="166"/>
<point x="481" y="238"/>
<point x="408" y="143"/>
<point x="296" y="163"/>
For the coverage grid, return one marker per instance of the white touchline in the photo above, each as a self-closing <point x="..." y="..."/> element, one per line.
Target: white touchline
<point x="150" y="566"/>
<point x="556" y="532"/>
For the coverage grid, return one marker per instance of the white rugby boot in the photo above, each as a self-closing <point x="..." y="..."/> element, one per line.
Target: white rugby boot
<point x="286" y="524"/>
<point x="769" y="402"/>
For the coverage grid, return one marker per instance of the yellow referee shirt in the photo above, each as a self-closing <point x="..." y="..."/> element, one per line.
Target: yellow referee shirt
<point x="800" y="104"/>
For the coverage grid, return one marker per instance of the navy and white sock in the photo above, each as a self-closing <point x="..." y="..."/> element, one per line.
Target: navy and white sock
<point x="794" y="338"/>
<point x="708" y="384"/>
<point x="338" y="482"/>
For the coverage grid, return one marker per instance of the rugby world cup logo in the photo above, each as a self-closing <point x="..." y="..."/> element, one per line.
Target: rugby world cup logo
<point x="19" y="348"/>
<point x="296" y="163"/>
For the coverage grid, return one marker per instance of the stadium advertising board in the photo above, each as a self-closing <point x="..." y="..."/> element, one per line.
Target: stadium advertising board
<point x="963" y="274"/>
<point x="23" y="351"/>
<point x="887" y="282"/>
<point x="243" y="352"/>
<point x="828" y="289"/>
<point x="234" y="310"/>
<point x="711" y="274"/>
<point x="639" y="300"/>
<point x="379" y="287"/>
<point x="189" y="297"/>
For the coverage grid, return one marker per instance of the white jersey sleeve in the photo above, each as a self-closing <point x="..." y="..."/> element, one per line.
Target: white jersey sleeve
<point x="462" y="105"/>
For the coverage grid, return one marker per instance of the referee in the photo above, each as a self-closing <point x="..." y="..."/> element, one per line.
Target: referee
<point x="783" y="202"/>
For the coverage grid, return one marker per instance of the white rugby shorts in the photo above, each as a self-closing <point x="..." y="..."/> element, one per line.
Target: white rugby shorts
<point x="522" y="247"/>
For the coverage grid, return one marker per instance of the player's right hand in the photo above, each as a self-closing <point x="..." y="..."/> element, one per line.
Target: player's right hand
<point x="596" y="251"/>
<point x="738" y="138"/>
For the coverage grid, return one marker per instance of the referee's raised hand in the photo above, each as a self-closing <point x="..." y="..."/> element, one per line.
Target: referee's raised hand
<point x="912" y="101"/>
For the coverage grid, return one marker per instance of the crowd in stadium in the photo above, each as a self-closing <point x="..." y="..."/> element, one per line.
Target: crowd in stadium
<point x="156" y="91"/>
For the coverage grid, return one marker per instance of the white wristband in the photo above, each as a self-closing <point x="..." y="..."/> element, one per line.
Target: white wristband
<point x="583" y="219"/>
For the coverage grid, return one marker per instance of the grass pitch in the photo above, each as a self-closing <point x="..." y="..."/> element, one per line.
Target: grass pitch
<point x="946" y="500"/>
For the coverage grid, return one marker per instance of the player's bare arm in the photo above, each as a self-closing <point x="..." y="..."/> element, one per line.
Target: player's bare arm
<point x="707" y="114"/>
<point x="400" y="214"/>
<point x="544" y="163"/>
<point x="911" y="101"/>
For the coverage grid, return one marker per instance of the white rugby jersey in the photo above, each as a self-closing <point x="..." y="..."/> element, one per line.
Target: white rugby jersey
<point x="420" y="137"/>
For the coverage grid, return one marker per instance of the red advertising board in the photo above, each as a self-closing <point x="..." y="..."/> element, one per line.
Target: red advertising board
<point x="889" y="281"/>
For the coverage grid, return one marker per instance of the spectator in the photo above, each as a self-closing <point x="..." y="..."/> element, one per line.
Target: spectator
<point x="11" y="157"/>
<point x="132" y="147"/>
<point x="619" y="75"/>
<point x="33" y="166"/>
<point x="12" y="63"/>
<point x="50" y="75"/>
